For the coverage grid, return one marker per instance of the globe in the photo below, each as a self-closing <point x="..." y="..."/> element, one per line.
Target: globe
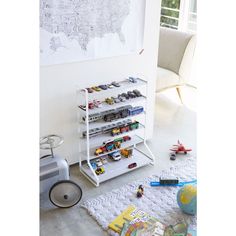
<point x="187" y="199"/>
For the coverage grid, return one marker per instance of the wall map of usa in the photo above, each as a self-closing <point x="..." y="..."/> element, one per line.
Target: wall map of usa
<point x="79" y="30"/>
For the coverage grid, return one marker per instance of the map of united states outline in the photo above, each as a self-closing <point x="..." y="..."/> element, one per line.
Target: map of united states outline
<point x="83" y="20"/>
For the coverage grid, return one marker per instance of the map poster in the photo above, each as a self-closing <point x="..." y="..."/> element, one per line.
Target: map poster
<point x="79" y="30"/>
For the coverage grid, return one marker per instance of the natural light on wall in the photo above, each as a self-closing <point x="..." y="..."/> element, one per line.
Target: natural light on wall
<point x="179" y="14"/>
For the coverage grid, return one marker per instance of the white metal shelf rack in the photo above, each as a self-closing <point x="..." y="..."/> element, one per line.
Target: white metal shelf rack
<point x="142" y="155"/>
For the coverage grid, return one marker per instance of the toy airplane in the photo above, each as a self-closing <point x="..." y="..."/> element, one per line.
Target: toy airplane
<point x="179" y="148"/>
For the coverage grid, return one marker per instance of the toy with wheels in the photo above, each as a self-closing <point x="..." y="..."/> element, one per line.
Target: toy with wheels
<point x="54" y="175"/>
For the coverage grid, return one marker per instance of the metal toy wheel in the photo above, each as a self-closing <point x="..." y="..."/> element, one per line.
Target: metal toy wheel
<point x="65" y="194"/>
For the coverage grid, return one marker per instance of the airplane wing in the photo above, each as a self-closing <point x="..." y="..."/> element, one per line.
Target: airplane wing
<point x="174" y="149"/>
<point x="188" y="150"/>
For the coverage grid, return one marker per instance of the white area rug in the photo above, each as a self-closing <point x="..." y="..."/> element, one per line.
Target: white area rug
<point x="157" y="201"/>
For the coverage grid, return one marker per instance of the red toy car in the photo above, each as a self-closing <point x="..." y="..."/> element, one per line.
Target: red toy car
<point x="179" y="148"/>
<point x="90" y="105"/>
<point x="124" y="129"/>
<point x="132" y="165"/>
<point x="126" y="138"/>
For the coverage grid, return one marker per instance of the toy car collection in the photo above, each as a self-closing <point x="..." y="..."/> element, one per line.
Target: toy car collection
<point x="111" y="145"/>
<point x="105" y="129"/>
<point x="118" y="113"/>
<point x="126" y="152"/>
<point x="115" y="156"/>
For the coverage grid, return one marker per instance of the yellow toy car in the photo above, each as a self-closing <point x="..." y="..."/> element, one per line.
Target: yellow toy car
<point x="100" y="170"/>
<point x="97" y="89"/>
<point x="109" y="101"/>
<point x="115" y="131"/>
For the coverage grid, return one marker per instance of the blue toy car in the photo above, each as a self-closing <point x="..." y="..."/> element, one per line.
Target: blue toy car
<point x="103" y="86"/>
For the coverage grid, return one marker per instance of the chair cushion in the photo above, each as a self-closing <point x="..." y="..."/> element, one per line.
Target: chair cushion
<point x="166" y="79"/>
<point x="172" y="45"/>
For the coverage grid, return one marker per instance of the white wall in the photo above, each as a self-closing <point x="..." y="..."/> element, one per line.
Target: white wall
<point x="58" y="83"/>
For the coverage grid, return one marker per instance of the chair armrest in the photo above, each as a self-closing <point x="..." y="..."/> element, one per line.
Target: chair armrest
<point x="186" y="64"/>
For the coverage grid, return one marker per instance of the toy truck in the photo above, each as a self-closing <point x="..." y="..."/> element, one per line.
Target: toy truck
<point x="126" y="152"/>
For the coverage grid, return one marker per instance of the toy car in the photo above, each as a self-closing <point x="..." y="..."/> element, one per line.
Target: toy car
<point x="132" y="165"/>
<point x="134" y="125"/>
<point x="91" y="105"/>
<point x="93" y="164"/>
<point x="117" y="144"/>
<point x="97" y="103"/>
<point x="125" y="95"/>
<point x="115" y="156"/>
<point x="99" y="151"/>
<point x="116" y="100"/>
<point x="115" y="131"/>
<point x="103" y="87"/>
<point x="103" y="160"/>
<point x="172" y="156"/>
<point x="124" y="129"/>
<point x="132" y="80"/>
<point x="126" y="152"/>
<point x="120" y="140"/>
<point x="110" y="86"/>
<point x="83" y="107"/>
<point x="110" y="146"/>
<point x="126" y="138"/>
<point x="89" y="90"/>
<point x="115" y="84"/>
<point x="109" y="101"/>
<point x="100" y="170"/>
<point x="131" y="94"/>
<point x="121" y="98"/>
<point x="137" y="93"/>
<point x="97" y="89"/>
<point x="98" y="163"/>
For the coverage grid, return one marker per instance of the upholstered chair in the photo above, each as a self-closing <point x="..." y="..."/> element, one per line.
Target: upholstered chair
<point x="175" y="57"/>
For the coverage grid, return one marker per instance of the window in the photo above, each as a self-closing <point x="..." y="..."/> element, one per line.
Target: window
<point x="179" y="14"/>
